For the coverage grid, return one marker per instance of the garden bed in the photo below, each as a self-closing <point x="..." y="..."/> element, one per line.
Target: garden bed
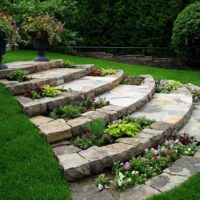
<point x="98" y="134"/>
<point x="152" y="163"/>
<point x="133" y="80"/>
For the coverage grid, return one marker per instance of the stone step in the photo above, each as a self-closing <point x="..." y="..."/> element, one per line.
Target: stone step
<point x="56" y="76"/>
<point x="134" y="98"/>
<point x="192" y="128"/>
<point x="30" y="66"/>
<point x="171" y="112"/>
<point x="86" y="86"/>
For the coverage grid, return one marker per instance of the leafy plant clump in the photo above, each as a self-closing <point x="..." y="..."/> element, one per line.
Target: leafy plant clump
<point x="138" y="170"/>
<point x="43" y="91"/>
<point x="75" y="110"/>
<point x="125" y="127"/>
<point x="102" y="72"/>
<point x="186" y="34"/>
<point x="195" y="95"/>
<point x="94" y="135"/>
<point x="128" y="126"/>
<point x="132" y="80"/>
<point x="167" y="86"/>
<point x="18" y="75"/>
<point x="67" y="64"/>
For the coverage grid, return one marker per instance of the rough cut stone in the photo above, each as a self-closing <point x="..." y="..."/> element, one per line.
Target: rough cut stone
<point x="95" y="114"/>
<point x="186" y="166"/>
<point x="65" y="149"/>
<point x="74" y="166"/>
<point x="56" y="130"/>
<point x="119" y="151"/>
<point x="165" y="182"/>
<point x="39" y="120"/>
<point x="77" y="125"/>
<point x="138" y="193"/>
<point x="98" y="159"/>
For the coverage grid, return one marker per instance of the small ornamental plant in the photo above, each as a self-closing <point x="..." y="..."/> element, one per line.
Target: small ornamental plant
<point x="102" y="72"/>
<point x="195" y="95"/>
<point x="44" y="27"/>
<point x="127" y="127"/>
<point x="75" y="110"/>
<point x="18" y="75"/>
<point x="138" y="170"/>
<point x="132" y="80"/>
<point x="42" y="91"/>
<point x="8" y="29"/>
<point x="167" y="86"/>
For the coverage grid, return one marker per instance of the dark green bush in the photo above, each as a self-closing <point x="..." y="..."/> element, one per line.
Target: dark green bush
<point x="186" y="34"/>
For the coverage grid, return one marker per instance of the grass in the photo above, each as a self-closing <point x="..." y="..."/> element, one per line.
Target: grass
<point x="187" y="191"/>
<point x="181" y="75"/>
<point x="28" y="169"/>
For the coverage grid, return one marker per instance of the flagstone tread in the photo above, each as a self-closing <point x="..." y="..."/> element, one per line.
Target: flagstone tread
<point x="56" y="76"/>
<point x="180" y="171"/>
<point x="30" y="66"/>
<point x="192" y="128"/>
<point x="170" y="108"/>
<point x="109" y="113"/>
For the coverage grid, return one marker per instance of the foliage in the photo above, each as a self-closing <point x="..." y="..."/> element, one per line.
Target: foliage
<point x="66" y="112"/>
<point x="65" y="11"/>
<point x="102" y="181"/>
<point x="50" y="91"/>
<point x="67" y="64"/>
<point x="102" y="72"/>
<point x="128" y="23"/>
<point x="132" y="80"/>
<point x="8" y="29"/>
<point x="167" y="86"/>
<point x="18" y="75"/>
<point x="186" y="34"/>
<point x="40" y="91"/>
<point x="195" y="94"/>
<point x="94" y="135"/>
<point x="77" y="108"/>
<point x="45" y="27"/>
<point x="97" y="134"/>
<point x="153" y="162"/>
<point x="128" y="126"/>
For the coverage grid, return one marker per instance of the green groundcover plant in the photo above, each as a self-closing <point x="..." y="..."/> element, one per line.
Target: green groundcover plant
<point x="132" y="80"/>
<point x="138" y="170"/>
<point x="167" y="86"/>
<point x="18" y="75"/>
<point x="97" y="134"/>
<point x="75" y="110"/>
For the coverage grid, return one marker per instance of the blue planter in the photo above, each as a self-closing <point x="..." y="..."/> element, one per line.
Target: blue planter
<point x="2" y="52"/>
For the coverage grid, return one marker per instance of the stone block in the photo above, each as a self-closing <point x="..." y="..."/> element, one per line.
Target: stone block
<point x="98" y="159"/>
<point x="56" y="130"/>
<point x="74" y="166"/>
<point x="65" y="149"/>
<point x="39" y="120"/>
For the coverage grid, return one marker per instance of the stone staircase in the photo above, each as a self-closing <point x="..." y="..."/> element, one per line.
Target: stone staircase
<point x="171" y="112"/>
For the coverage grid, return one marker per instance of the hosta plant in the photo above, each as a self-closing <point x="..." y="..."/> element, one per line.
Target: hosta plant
<point x="139" y="169"/>
<point x="195" y="94"/>
<point x="40" y="91"/>
<point x="18" y="75"/>
<point x="167" y="86"/>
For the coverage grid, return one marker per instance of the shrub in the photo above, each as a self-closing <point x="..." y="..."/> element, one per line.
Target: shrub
<point x="167" y="86"/>
<point x="186" y="34"/>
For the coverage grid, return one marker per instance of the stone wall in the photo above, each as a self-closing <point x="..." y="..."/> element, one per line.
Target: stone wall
<point x="137" y="59"/>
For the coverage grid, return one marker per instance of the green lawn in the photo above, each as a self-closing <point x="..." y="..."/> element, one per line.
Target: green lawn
<point x="28" y="169"/>
<point x="181" y="75"/>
